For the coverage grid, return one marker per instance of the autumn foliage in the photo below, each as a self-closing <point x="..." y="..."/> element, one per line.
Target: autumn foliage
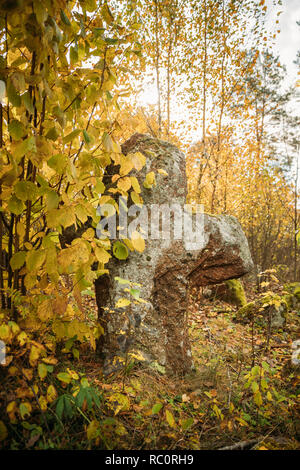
<point x="70" y="76"/>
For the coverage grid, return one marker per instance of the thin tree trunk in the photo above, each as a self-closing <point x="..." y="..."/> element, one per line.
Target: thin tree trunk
<point x="157" y="56"/>
<point x="296" y="219"/>
<point x="204" y="101"/>
<point x="1" y="223"/>
<point x="169" y="78"/>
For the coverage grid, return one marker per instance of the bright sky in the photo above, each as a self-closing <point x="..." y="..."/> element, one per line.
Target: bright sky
<point x="286" y="46"/>
<point x="288" y="40"/>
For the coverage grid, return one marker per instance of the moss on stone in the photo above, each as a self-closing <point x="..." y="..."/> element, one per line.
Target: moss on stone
<point x="291" y="287"/>
<point x="289" y="300"/>
<point x="293" y="295"/>
<point x="237" y="292"/>
<point x="246" y="312"/>
<point x="296" y="292"/>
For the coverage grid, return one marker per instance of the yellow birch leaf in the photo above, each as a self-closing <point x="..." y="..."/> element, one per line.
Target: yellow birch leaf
<point x="162" y="172"/>
<point x="135" y="184"/>
<point x="136" y="198"/>
<point x="73" y="374"/>
<point x="126" y="165"/>
<point x="138" y="242"/>
<point x="34" y="355"/>
<point x="43" y="403"/>
<point x="124" y="183"/>
<point x="92" y="429"/>
<point x="122" y="303"/>
<point x="138" y="160"/>
<point x="170" y="419"/>
<point x="51" y="394"/>
<point x="102" y="255"/>
<point x="149" y="180"/>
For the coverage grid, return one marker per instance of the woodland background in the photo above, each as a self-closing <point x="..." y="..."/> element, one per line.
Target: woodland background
<point x="71" y="76"/>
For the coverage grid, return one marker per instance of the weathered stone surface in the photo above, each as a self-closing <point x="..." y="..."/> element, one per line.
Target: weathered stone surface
<point x="166" y="268"/>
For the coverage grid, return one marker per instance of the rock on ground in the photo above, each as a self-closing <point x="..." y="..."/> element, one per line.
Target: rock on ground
<point x="158" y="329"/>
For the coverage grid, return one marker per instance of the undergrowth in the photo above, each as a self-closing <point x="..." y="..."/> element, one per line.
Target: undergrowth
<point x="243" y="388"/>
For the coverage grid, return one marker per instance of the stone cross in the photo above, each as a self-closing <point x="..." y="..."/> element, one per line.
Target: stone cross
<point x="157" y="330"/>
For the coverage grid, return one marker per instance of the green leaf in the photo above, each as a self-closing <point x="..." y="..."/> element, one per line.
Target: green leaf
<point x="255" y="371"/>
<point x="16" y="129"/>
<point x="42" y="370"/>
<point x="40" y="11"/>
<point x="59" y="114"/>
<point x="265" y="366"/>
<point x="64" y="18"/>
<point x="75" y="353"/>
<point x="60" y="406"/>
<point x="58" y="162"/>
<point x="12" y="95"/>
<point x="156" y="408"/>
<point x="17" y="260"/>
<point x="135" y="293"/>
<point x="28" y="102"/>
<point x="52" y="133"/>
<point x="120" y="251"/>
<point x="24" y="410"/>
<point x="35" y="259"/>
<point x="27" y="145"/>
<point x="52" y="199"/>
<point x="68" y="407"/>
<point x="64" y="377"/>
<point x="255" y="387"/>
<point x="122" y="281"/>
<point x="68" y="138"/>
<point x="111" y="41"/>
<point x="26" y="191"/>
<point x="15" y="205"/>
<point x="99" y="188"/>
<point x="187" y="423"/>
<point x="86" y="137"/>
<point x="84" y="382"/>
<point x="73" y="55"/>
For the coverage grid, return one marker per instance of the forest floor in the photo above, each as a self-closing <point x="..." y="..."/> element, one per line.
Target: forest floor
<point x="244" y="392"/>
